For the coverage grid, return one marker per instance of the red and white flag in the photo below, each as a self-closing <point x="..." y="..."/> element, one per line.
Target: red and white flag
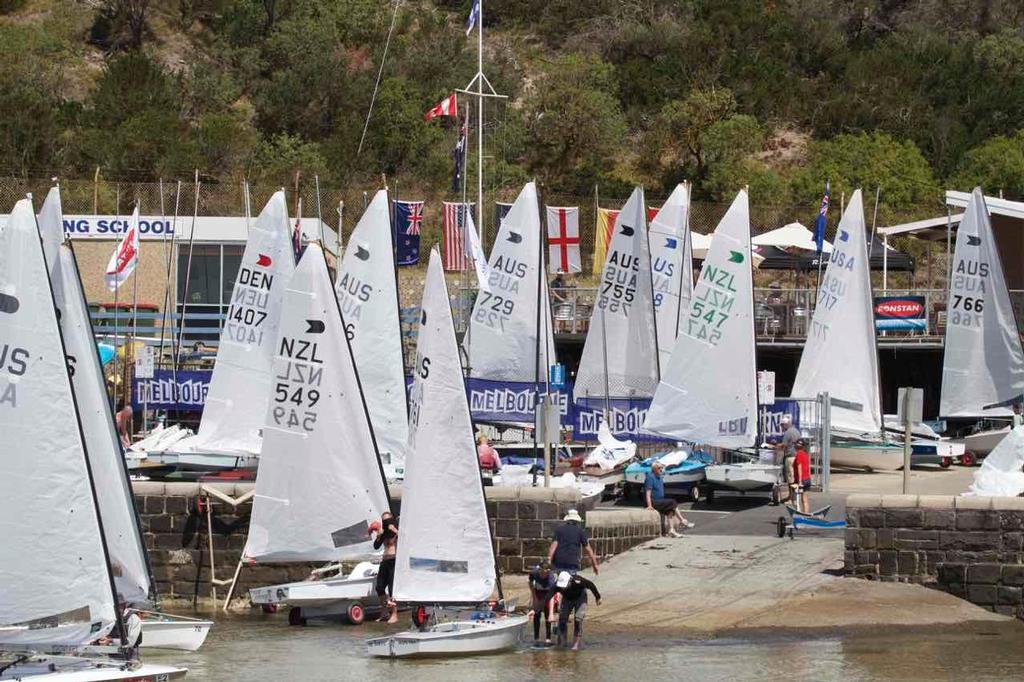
<point x="126" y="256"/>
<point x="453" y="238"/>
<point x="564" y="239"/>
<point x="446" y="107"/>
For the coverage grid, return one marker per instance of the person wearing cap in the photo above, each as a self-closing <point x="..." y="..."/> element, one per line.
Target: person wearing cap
<point x="785" y="449"/>
<point x="568" y="545"/>
<point x="573" y="590"/>
<point x="802" y="474"/>
<point x="542" y="579"/>
<point x="654" y="496"/>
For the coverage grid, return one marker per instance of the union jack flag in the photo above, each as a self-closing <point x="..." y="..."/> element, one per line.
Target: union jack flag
<point x="408" y="222"/>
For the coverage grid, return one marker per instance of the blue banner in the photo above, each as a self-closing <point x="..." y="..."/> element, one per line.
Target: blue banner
<point x="770" y="419"/>
<point x="626" y="417"/>
<point x="511" y="401"/>
<point x="161" y="393"/>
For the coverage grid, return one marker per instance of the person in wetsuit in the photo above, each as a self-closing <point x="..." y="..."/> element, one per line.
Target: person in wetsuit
<point x="573" y="589"/>
<point x="542" y="579"/>
<point x="386" y="536"/>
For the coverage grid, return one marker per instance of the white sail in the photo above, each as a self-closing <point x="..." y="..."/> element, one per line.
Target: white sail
<point x="840" y="356"/>
<point x="367" y="292"/>
<point x="983" y="365"/>
<point x="502" y="339"/>
<point x="624" y="343"/>
<point x="672" y="269"/>
<point x="444" y="550"/>
<point x="708" y="392"/>
<point x="55" y="586"/>
<point x="476" y="252"/>
<point x="117" y="505"/>
<point x="240" y="386"/>
<point x="319" y="484"/>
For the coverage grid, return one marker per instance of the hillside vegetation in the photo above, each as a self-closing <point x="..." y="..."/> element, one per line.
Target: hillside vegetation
<point x="910" y="95"/>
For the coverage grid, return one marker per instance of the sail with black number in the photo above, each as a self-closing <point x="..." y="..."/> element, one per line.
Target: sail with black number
<point x="839" y="356"/>
<point x="116" y="502"/>
<point x="319" y="484"/>
<point x="55" y="582"/>
<point x="672" y="269"/>
<point x="983" y="365"/>
<point x="620" y="355"/>
<point x="708" y="392"/>
<point x="502" y="340"/>
<point x="237" y="398"/>
<point x="367" y="292"/>
<point x="445" y="552"/>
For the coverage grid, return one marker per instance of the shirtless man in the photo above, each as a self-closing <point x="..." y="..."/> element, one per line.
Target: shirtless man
<point x="386" y="536"/>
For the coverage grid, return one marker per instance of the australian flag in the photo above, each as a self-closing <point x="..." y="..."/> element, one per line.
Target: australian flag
<point x="820" y="221"/>
<point x="408" y="221"/>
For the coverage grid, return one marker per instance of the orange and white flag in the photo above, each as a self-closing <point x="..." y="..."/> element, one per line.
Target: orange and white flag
<point x="126" y="256"/>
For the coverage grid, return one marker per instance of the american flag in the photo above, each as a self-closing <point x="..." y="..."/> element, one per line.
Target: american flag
<point x="408" y="221"/>
<point x="453" y="253"/>
<point x="821" y="220"/>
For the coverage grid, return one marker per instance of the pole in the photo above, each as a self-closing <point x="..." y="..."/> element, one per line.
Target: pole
<point x="188" y="273"/>
<point x="906" y="439"/>
<point x="480" y="120"/>
<point x="135" y="333"/>
<point x="319" y="214"/>
<point x="117" y="286"/>
<point x="167" y="280"/>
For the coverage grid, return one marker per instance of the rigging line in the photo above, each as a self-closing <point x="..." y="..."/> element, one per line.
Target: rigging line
<point x="376" y="85"/>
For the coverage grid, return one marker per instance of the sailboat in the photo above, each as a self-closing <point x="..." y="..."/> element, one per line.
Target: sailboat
<point x="445" y="551"/>
<point x="229" y="432"/>
<point x="367" y="292"/>
<point x="671" y="268"/>
<point x="128" y="557"/>
<point x="58" y="585"/>
<point x="620" y="354"/>
<point x="708" y="393"/>
<point x="983" y="364"/>
<point x="320" y="483"/>
<point x="840" y="356"/>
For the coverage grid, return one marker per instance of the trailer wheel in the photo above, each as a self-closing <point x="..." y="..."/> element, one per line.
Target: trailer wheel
<point x="780" y="526"/>
<point x="269" y="608"/>
<point x="694" y="494"/>
<point x="945" y="462"/>
<point x="295" y="617"/>
<point x="968" y="459"/>
<point x="355" y="613"/>
<point x="776" y="495"/>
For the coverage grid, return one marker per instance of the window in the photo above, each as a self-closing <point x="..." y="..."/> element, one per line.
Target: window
<point x="204" y="299"/>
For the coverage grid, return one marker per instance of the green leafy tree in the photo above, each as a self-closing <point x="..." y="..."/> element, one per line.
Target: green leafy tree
<point x="996" y="165"/>
<point x="279" y="158"/>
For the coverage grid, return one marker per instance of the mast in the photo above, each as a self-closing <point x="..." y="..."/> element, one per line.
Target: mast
<point x="686" y="266"/>
<point x="393" y="205"/>
<point x="650" y="280"/>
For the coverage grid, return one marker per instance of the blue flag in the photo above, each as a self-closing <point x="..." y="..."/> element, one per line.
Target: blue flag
<point x="820" y="221"/>
<point x="474" y="15"/>
<point x="408" y="221"/>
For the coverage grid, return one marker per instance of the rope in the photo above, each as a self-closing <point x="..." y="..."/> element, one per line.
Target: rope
<point x="376" y="85"/>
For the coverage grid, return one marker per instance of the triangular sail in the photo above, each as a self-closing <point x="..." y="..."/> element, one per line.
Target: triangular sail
<point x="117" y="505"/>
<point x="445" y="552"/>
<point x="708" y="392"/>
<point x="367" y="293"/>
<point x="983" y="366"/>
<point x="840" y="356"/>
<point x="502" y="339"/>
<point x="55" y="586"/>
<point x="319" y="483"/>
<point x="672" y="269"/>
<point x="623" y="344"/>
<point x="240" y="386"/>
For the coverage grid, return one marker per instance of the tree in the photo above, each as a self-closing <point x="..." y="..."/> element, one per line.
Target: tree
<point x="996" y="165"/>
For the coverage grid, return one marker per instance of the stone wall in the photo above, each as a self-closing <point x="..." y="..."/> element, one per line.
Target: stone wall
<point x="177" y="533"/>
<point x="971" y="547"/>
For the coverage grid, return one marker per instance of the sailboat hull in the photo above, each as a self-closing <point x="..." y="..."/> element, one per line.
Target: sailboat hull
<point x="172" y="632"/>
<point x="454" y="638"/>
<point x="80" y="669"/>
<point x="863" y="455"/>
<point x="743" y="476"/>
<point x="984" y="442"/>
<point x="320" y="594"/>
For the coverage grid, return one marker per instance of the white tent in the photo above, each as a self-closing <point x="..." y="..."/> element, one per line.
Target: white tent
<point x="792" y="236"/>
<point x="700" y="243"/>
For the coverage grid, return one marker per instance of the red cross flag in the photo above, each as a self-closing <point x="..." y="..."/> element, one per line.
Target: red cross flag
<point x="126" y="256"/>
<point x="564" y="239"/>
<point x="446" y="107"/>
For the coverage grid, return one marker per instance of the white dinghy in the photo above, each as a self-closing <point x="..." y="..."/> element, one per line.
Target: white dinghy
<point x="128" y="556"/>
<point x="708" y="392"/>
<point x="229" y="431"/>
<point x="320" y="484"/>
<point x="983" y="363"/>
<point x="367" y="292"/>
<point x="445" y="552"/>
<point x="58" y="585"/>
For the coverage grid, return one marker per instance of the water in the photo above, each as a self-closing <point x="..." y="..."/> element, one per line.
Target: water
<point x="266" y="648"/>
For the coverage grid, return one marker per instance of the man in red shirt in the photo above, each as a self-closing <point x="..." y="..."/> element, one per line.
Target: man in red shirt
<point x="802" y="475"/>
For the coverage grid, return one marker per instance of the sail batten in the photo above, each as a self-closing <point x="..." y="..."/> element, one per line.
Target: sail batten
<point x="840" y="356"/>
<point x="983" y="363"/>
<point x="444" y="552"/>
<point x="54" y="572"/>
<point x="367" y="293"/>
<point x="319" y="485"/>
<point x="708" y="393"/>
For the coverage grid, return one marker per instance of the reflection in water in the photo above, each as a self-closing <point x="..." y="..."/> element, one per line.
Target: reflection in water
<point x="264" y="648"/>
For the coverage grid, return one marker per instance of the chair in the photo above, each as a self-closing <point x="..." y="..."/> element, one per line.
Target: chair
<point x="798" y="323"/>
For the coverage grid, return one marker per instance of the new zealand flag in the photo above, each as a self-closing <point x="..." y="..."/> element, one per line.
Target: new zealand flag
<point x="408" y="221"/>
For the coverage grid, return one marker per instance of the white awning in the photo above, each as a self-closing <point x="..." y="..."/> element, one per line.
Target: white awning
<point x="996" y="206"/>
<point x="791" y="236"/>
<point x="921" y="225"/>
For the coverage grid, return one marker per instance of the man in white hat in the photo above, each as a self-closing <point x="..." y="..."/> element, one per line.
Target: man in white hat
<point x="568" y="545"/>
<point x="573" y="589"/>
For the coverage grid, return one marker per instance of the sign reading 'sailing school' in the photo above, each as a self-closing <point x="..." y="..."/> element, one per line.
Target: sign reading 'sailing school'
<point x="215" y="229"/>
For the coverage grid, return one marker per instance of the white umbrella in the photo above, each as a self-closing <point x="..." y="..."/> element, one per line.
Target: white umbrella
<point x="702" y="242"/>
<point x="792" y="236"/>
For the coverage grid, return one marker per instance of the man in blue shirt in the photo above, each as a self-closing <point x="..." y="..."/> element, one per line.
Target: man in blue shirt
<point x="654" y="496"/>
<point x="568" y="545"/>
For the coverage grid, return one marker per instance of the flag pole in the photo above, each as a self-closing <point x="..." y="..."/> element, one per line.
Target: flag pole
<point x="480" y="119"/>
<point x="135" y="315"/>
<point x="184" y="301"/>
<point x="113" y="392"/>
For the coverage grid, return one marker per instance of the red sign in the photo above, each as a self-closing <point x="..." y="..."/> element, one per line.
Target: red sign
<point x="900" y="312"/>
<point x="899" y="308"/>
